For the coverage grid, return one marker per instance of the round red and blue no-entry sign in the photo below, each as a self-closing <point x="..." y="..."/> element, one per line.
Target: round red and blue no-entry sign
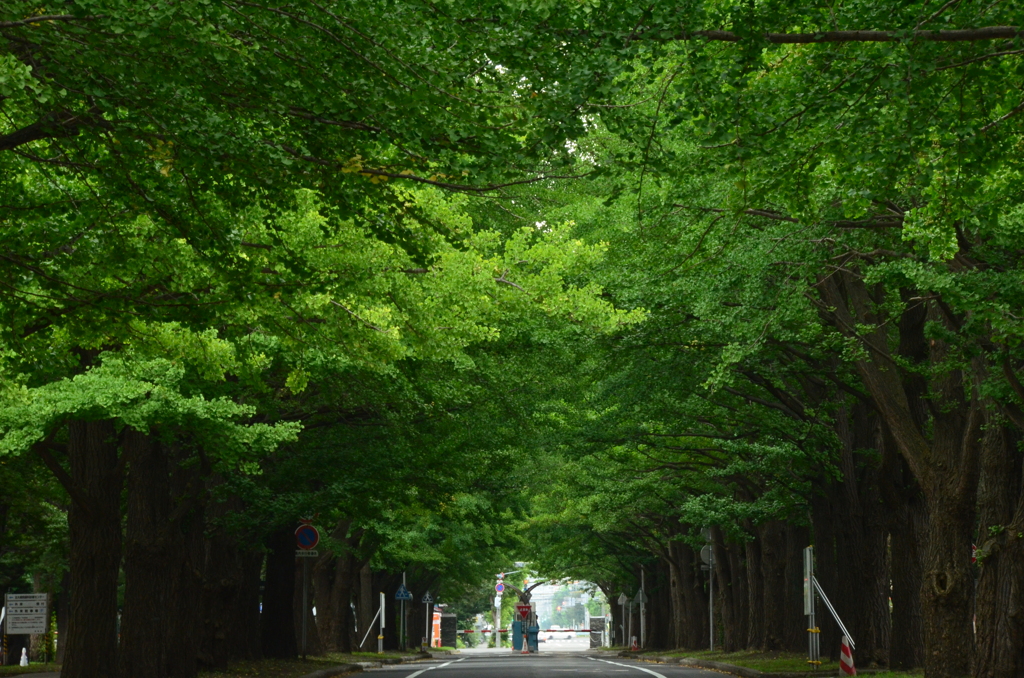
<point x="307" y="537"/>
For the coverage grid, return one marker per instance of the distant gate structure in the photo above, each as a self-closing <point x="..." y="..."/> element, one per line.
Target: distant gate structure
<point x="449" y="629"/>
<point x="596" y="632"/>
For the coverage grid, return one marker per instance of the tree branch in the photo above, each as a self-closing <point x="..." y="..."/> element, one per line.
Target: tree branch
<point x="959" y="35"/>
<point x="46" y="17"/>
<point x="42" y="449"/>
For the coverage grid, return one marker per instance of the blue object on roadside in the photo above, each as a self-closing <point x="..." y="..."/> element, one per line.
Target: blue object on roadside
<point x="531" y="637"/>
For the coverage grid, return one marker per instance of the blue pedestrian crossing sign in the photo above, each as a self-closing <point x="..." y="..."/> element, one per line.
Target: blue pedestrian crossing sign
<point x="403" y="593"/>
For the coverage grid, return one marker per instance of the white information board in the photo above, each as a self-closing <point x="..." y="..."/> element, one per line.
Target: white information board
<point x="26" y="613"/>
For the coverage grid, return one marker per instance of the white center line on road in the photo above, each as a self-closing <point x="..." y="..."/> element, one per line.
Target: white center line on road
<point x="628" y="666"/>
<point x="441" y="666"/>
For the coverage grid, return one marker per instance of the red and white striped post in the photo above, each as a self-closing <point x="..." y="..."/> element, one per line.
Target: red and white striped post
<point x="846" y="659"/>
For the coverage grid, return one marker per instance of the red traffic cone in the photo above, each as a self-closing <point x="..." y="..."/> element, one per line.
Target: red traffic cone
<point x="526" y="645"/>
<point x="846" y="659"/>
<point x="633" y="647"/>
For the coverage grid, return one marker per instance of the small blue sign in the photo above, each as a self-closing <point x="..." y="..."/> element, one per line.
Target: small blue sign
<point x="403" y="593"/>
<point x="499" y="587"/>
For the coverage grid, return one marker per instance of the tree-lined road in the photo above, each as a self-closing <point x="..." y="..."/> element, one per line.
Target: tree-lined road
<point x="541" y="665"/>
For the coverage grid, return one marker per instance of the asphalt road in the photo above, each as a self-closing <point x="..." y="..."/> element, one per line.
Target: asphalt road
<point x="543" y="665"/>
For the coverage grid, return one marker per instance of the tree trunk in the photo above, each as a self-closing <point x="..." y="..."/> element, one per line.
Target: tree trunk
<point x="862" y="593"/>
<point x="727" y="624"/>
<point x="277" y="622"/>
<point x="1000" y="588"/>
<point x="740" y="597"/>
<point x="676" y="600"/>
<point x="695" y="600"/>
<point x="95" y="544"/>
<point x="231" y="594"/>
<point x="942" y="456"/>
<point x="367" y="608"/>
<point x="163" y="561"/>
<point x="907" y="520"/>
<point x="323" y="574"/>
<point x="659" y="625"/>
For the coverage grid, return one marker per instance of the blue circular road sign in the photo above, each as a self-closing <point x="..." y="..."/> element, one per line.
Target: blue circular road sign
<point x="499" y="587"/>
<point x="307" y="537"/>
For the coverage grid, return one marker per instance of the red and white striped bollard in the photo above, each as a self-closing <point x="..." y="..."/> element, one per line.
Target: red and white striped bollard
<point x="846" y="659"/>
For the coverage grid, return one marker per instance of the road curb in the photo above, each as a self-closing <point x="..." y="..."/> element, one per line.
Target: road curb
<point x="339" y="670"/>
<point x="342" y="669"/>
<point x="741" y="671"/>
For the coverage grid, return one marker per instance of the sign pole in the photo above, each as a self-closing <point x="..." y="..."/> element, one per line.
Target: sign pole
<point x="380" y="636"/>
<point x="305" y="603"/>
<point x="711" y="599"/>
<point x="428" y="607"/>
<point x="813" y="647"/>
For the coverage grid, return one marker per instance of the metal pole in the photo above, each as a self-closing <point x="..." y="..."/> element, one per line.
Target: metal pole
<point x="402" y="624"/>
<point x="711" y="597"/>
<point x="497" y="620"/>
<point x="426" y="622"/>
<point x="813" y="637"/>
<point x="305" y="602"/>
<point x="831" y="609"/>
<point x="380" y="636"/>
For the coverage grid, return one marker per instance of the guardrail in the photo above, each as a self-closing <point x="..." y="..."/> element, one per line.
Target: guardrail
<point x="541" y="631"/>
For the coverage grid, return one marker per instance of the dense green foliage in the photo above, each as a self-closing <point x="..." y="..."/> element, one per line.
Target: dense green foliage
<point x="563" y="282"/>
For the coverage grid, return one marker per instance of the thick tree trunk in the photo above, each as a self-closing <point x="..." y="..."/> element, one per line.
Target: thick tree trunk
<point x="947" y="589"/>
<point x="862" y="593"/>
<point x="1000" y="594"/>
<point x="367" y="608"/>
<point x="943" y="456"/>
<point x="695" y="600"/>
<point x="907" y="521"/>
<point x="740" y="597"/>
<point x="231" y="595"/>
<point x="328" y="623"/>
<point x="676" y="600"/>
<point x="163" y="562"/>
<point x="277" y="623"/>
<point x="659" y="629"/>
<point x="95" y="542"/>
<point x="729" y="634"/>
<point x="388" y="583"/>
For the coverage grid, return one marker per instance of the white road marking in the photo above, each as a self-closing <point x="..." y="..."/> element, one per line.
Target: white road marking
<point x="628" y="666"/>
<point x="440" y="666"/>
